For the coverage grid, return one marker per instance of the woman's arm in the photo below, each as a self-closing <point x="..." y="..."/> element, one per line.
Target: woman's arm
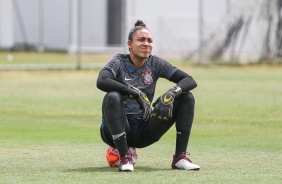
<point x="106" y="82"/>
<point x="183" y="80"/>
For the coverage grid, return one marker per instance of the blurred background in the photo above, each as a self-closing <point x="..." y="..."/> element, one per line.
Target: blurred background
<point x="198" y="31"/>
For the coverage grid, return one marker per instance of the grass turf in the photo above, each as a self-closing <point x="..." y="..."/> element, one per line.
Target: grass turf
<point x="49" y="129"/>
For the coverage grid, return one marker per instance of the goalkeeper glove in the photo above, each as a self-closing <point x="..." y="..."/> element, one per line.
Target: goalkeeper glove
<point x="143" y="102"/>
<point x="163" y="106"/>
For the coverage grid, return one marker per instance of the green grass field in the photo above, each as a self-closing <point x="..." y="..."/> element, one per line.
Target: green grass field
<point x="49" y="129"/>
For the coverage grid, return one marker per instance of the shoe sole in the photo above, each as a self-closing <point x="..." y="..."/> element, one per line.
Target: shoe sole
<point x="197" y="169"/>
<point x="126" y="170"/>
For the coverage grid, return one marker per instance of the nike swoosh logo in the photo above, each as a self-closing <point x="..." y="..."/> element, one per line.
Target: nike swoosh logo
<point x="167" y="99"/>
<point x="127" y="79"/>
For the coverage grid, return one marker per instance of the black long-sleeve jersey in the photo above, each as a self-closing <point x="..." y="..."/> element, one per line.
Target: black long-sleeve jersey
<point x="119" y="73"/>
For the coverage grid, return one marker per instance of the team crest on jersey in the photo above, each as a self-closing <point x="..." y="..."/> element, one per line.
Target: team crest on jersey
<point x="148" y="79"/>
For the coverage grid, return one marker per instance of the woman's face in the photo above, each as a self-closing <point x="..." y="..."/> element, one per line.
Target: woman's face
<point x="141" y="45"/>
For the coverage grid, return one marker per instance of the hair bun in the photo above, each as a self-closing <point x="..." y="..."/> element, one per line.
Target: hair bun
<point x="140" y="23"/>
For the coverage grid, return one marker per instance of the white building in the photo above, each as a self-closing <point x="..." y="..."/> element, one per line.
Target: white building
<point x="180" y="27"/>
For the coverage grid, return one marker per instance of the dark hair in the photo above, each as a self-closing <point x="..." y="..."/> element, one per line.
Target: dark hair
<point x="137" y="26"/>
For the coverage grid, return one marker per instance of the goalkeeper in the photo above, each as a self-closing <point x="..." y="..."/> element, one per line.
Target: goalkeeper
<point x="129" y="81"/>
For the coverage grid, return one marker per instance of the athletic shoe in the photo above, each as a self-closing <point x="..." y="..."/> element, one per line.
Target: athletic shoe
<point x="126" y="163"/>
<point x="182" y="162"/>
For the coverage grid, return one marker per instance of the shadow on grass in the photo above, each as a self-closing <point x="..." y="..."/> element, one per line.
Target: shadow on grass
<point x="110" y="169"/>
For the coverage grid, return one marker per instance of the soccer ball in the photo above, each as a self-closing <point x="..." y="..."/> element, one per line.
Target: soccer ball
<point x="113" y="157"/>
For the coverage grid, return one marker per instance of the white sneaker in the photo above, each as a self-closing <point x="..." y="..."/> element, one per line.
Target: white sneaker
<point x="126" y="163"/>
<point x="182" y="162"/>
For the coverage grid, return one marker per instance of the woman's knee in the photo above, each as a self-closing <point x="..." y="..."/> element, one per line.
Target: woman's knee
<point x="113" y="98"/>
<point x="191" y="97"/>
<point x="185" y="102"/>
<point x="188" y="97"/>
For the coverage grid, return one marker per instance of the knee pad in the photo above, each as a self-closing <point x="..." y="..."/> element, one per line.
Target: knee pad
<point x="112" y="105"/>
<point x="188" y="97"/>
<point x="112" y="98"/>
<point x="113" y="113"/>
<point x="185" y="112"/>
